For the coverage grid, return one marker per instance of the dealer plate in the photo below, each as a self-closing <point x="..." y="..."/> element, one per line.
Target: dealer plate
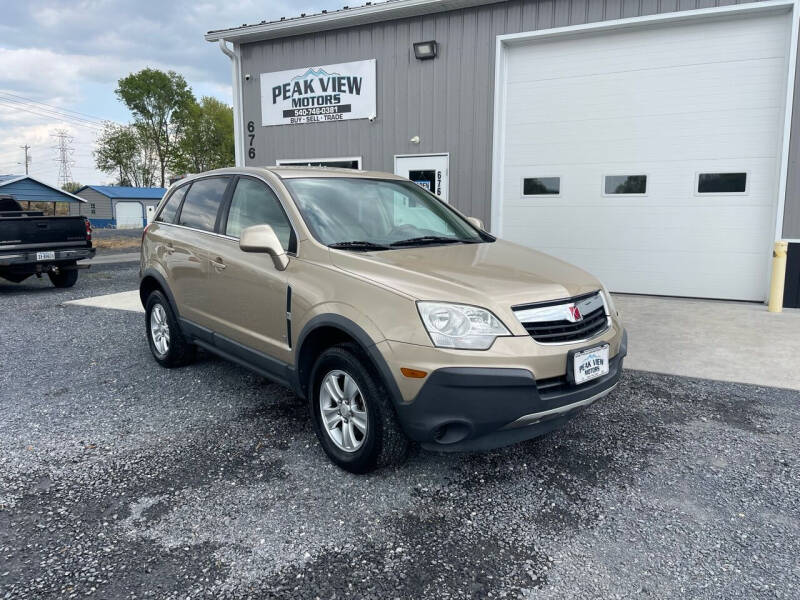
<point x="590" y="364"/>
<point x="49" y="255"/>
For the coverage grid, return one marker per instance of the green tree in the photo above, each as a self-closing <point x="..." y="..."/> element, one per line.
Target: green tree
<point x="127" y="152"/>
<point x="160" y="103"/>
<point x="71" y="187"/>
<point x="206" y="141"/>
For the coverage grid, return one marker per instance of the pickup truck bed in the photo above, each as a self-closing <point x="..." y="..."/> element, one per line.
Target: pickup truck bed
<point x="33" y="244"/>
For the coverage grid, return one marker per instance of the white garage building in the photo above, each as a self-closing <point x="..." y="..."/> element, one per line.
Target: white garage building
<point x="118" y="206"/>
<point x="651" y="145"/>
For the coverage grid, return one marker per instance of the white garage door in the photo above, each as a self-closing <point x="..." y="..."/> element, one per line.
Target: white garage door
<point x="656" y="108"/>
<point x="129" y="215"/>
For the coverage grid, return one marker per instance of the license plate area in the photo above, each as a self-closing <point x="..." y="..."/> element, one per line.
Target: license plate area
<point x="48" y="255"/>
<point x="587" y="364"/>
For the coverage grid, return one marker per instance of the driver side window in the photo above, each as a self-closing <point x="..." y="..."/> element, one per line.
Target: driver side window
<point x="253" y="203"/>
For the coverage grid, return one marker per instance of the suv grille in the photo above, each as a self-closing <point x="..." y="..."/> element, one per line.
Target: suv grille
<point x="558" y="322"/>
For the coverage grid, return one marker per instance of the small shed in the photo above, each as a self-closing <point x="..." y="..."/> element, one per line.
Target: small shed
<point x="117" y="206"/>
<point x="25" y="188"/>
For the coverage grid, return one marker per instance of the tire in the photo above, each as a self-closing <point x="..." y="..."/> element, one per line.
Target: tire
<point x="64" y="279"/>
<point x="177" y="351"/>
<point x="383" y="443"/>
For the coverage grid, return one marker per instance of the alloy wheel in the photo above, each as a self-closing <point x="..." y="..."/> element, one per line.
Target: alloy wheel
<point x="343" y="410"/>
<point x="159" y="329"/>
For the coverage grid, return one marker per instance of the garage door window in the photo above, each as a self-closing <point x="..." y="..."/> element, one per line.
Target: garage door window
<point x="722" y="183"/>
<point x="625" y="184"/>
<point x="200" y="208"/>
<point x="541" y="186"/>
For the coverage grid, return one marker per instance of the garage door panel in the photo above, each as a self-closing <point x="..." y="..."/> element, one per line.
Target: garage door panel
<point x="676" y="126"/>
<point x="651" y="48"/>
<point x="732" y="86"/>
<point x="668" y="102"/>
<point x="626" y="272"/>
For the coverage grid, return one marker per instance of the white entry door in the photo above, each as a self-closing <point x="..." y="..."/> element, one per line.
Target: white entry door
<point x="426" y="170"/>
<point x="650" y="155"/>
<point x="129" y="215"/>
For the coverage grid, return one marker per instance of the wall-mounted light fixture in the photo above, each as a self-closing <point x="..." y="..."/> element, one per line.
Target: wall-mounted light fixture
<point x="426" y="50"/>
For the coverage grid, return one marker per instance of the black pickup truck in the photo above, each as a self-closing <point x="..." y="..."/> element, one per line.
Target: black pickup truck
<point x="32" y="244"/>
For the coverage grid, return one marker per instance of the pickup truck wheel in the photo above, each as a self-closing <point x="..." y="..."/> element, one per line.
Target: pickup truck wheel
<point x="64" y="278"/>
<point x="167" y="343"/>
<point x="352" y="414"/>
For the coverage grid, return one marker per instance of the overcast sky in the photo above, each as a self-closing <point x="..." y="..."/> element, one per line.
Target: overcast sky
<point x="70" y="55"/>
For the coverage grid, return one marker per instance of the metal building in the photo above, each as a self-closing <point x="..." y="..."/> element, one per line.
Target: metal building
<point x="650" y="142"/>
<point x="117" y="206"/>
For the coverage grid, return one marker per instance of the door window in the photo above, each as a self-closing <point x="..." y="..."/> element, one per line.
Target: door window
<point x="202" y="203"/>
<point x="253" y="203"/>
<point x="167" y="214"/>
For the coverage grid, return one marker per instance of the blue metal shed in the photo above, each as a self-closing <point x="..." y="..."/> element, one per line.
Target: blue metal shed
<point x="25" y="188"/>
<point x="117" y="205"/>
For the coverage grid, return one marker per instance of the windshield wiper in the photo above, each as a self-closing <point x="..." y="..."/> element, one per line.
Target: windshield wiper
<point x="430" y="239"/>
<point x="358" y="245"/>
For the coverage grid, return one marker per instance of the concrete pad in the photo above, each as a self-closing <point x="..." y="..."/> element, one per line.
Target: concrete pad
<point x="110" y="259"/>
<point x="120" y="301"/>
<point x="713" y="339"/>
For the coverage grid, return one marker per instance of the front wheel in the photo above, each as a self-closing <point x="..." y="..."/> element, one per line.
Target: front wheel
<point x="167" y="343"/>
<point x="353" y="416"/>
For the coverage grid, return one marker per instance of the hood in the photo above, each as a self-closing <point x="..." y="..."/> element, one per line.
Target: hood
<point x="499" y="273"/>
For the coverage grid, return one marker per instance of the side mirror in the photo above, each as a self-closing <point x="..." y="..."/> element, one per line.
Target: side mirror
<point x="475" y="222"/>
<point x="261" y="238"/>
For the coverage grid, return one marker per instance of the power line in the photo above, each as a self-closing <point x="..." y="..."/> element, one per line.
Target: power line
<point x="48" y="111"/>
<point x="31" y="100"/>
<point x="96" y="128"/>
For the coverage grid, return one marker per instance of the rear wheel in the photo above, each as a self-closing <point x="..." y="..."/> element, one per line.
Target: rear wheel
<point x="353" y="416"/>
<point x="167" y="343"/>
<point x="64" y="278"/>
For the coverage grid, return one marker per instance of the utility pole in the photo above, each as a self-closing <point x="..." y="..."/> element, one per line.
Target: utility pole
<point x="64" y="152"/>
<point x="26" y="147"/>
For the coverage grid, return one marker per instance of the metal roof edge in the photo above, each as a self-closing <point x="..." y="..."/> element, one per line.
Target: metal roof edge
<point x="349" y="17"/>
<point x="42" y="183"/>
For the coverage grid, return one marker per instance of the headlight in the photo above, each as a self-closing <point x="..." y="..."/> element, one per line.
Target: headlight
<point x="612" y="310"/>
<point x="460" y="326"/>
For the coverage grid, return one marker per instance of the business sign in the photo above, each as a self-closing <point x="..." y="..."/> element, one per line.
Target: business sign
<point x="319" y="94"/>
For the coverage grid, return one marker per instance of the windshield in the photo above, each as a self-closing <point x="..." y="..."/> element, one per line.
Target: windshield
<point x="375" y="214"/>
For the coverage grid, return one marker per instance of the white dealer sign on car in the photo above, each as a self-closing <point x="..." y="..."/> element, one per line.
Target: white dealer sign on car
<point x="318" y="94"/>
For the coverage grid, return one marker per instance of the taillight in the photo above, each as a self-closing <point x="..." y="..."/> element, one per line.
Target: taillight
<point x="88" y="230"/>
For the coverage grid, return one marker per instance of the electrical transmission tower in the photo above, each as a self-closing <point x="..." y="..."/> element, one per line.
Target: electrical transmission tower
<point x="64" y="151"/>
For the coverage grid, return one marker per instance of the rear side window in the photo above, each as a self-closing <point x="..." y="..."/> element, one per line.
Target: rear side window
<point x="253" y="203"/>
<point x="167" y="214"/>
<point x="202" y="203"/>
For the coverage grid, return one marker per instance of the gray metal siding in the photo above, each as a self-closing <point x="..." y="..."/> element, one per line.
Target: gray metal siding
<point x="791" y="214"/>
<point x="448" y="101"/>
<point x="102" y="205"/>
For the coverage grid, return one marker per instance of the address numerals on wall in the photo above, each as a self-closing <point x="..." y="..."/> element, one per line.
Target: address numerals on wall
<point x="251" y="135"/>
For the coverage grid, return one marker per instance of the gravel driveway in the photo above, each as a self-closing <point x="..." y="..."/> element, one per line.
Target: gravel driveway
<point x="120" y="479"/>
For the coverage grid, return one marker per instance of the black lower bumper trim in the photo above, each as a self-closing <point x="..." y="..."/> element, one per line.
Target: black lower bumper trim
<point x="481" y="408"/>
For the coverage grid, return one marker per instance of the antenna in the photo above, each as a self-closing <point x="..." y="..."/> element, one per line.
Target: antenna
<point x="64" y="151"/>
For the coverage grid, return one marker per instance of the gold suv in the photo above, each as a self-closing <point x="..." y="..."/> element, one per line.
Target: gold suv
<point x="398" y="318"/>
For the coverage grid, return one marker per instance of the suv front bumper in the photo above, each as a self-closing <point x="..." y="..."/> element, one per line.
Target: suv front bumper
<point x="478" y="408"/>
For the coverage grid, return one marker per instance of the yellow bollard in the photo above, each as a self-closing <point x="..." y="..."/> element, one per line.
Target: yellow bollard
<point x="778" y="277"/>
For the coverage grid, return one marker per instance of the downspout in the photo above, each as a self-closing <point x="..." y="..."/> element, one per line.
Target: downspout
<point x="238" y="125"/>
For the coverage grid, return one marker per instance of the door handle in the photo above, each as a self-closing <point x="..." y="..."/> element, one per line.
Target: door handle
<point x="170" y="248"/>
<point x="219" y="265"/>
